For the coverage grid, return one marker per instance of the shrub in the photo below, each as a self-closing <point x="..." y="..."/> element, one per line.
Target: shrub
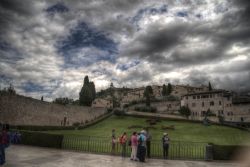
<point x="221" y="119"/>
<point x="146" y="109"/>
<point x="109" y="110"/>
<point x="119" y="112"/>
<point x="40" y="128"/>
<point x="125" y="105"/>
<point x="185" y="111"/>
<point x="76" y="124"/>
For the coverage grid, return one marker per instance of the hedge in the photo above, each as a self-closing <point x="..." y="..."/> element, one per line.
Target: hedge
<point x="41" y="139"/>
<point x="227" y="152"/>
<point x="41" y="128"/>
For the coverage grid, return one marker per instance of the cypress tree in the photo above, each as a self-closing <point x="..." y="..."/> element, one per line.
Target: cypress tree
<point x="164" y="90"/>
<point x="87" y="93"/>
<point x="209" y="87"/>
<point x="148" y="92"/>
<point x="169" y="90"/>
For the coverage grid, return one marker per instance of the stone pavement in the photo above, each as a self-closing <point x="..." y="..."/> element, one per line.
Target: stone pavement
<point x="27" y="156"/>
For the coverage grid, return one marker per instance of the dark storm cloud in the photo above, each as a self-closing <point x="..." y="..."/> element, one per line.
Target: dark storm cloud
<point x="23" y="7"/>
<point x="170" y="45"/>
<point x="154" y="42"/>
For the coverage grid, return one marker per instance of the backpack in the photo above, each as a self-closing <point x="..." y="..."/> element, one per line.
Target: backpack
<point x="129" y="142"/>
<point x="120" y="139"/>
<point x="140" y="140"/>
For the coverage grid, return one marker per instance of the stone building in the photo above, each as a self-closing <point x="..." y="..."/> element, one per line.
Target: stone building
<point x="219" y="102"/>
<point x="102" y="103"/>
<point x="132" y="95"/>
<point x="180" y="90"/>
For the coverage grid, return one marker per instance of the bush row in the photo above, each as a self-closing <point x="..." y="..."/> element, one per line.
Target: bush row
<point x="146" y="109"/>
<point x="41" y="139"/>
<point x="228" y="152"/>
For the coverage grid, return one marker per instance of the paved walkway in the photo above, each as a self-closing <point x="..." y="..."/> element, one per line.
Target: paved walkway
<point x="27" y="156"/>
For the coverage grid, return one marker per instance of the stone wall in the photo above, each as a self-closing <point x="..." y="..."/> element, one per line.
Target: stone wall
<point x="20" y="110"/>
<point x="167" y="107"/>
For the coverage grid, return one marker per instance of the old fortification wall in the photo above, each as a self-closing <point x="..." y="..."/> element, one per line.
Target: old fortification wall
<point x="20" y="110"/>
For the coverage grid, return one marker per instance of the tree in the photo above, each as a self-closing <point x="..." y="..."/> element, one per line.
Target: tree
<point x="87" y="93"/>
<point x="169" y="90"/>
<point x="42" y="98"/>
<point x="148" y="92"/>
<point x="208" y="113"/>
<point x="209" y="87"/>
<point x="11" y="89"/>
<point x="85" y="98"/>
<point x="92" y="87"/>
<point x="185" y="111"/>
<point x="164" y="90"/>
<point x="86" y="80"/>
<point x="63" y="100"/>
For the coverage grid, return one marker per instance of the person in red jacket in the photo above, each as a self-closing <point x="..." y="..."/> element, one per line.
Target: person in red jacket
<point x="123" y="142"/>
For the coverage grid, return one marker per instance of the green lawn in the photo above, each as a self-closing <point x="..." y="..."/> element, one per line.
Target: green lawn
<point x="184" y="131"/>
<point x="188" y="140"/>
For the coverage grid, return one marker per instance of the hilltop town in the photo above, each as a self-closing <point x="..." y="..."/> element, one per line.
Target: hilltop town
<point x="222" y="105"/>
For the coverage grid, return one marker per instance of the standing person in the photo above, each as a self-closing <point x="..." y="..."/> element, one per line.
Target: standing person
<point x="148" y="142"/>
<point x="123" y="141"/>
<point x="165" y="143"/>
<point x="142" y="146"/>
<point x="113" y="141"/>
<point x="134" y="144"/>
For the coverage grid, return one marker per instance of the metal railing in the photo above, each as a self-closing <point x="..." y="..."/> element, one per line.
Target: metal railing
<point x="177" y="149"/>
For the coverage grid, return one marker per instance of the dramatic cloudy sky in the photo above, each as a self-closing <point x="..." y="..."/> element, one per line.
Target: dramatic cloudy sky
<point x="47" y="47"/>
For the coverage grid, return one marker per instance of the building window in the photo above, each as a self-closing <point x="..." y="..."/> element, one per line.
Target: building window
<point x="198" y="97"/>
<point x="211" y="103"/>
<point x="210" y="96"/>
<point x="202" y="104"/>
<point x="241" y="119"/>
<point x="220" y="103"/>
<point x="222" y="112"/>
<point x="194" y="97"/>
<point x="186" y="97"/>
<point x="193" y="104"/>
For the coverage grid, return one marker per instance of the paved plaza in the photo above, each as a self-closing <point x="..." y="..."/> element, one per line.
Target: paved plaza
<point x="27" y="156"/>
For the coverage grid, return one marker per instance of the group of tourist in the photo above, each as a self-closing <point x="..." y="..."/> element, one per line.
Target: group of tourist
<point x="7" y="137"/>
<point x="140" y="143"/>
